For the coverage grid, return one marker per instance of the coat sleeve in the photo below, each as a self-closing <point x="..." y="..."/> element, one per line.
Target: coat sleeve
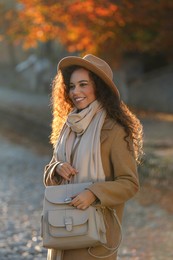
<point x="122" y="166"/>
<point x="50" y="177"/>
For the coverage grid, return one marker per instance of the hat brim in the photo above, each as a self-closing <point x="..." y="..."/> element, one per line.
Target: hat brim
<point x="73" y="60"/>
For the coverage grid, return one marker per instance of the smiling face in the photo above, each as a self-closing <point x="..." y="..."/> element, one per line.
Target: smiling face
<point x="81" y="89"/>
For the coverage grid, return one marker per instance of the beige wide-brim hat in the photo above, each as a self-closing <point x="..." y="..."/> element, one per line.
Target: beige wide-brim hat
<point x="94" y="64"/>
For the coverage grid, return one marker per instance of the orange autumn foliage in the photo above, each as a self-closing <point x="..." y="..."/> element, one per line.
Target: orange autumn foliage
<point x="104" y="27"/>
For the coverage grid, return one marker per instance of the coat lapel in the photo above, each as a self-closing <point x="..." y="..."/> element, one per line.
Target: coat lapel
<point x="107" y="126"/>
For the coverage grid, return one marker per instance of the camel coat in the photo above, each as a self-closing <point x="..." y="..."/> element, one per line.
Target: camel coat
<point x="121" y="184"/>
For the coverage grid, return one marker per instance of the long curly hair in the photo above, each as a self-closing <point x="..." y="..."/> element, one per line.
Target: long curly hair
<point x="115" y="108"/>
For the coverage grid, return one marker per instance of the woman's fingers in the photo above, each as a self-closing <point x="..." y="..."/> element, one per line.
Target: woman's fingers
<point x="79" y="205"/>
<point x="83" y="200"/>
<point x="65" y="170"/>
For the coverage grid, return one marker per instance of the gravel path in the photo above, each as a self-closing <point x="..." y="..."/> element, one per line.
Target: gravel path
<point x="21" y="193"/>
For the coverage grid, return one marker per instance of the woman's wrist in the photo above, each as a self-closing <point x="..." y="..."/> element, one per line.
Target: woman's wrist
<point x="58" y="164"/>
<point x="54" y="175"/>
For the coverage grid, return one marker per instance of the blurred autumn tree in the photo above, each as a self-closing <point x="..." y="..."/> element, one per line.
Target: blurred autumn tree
<point x="104" y="27"/>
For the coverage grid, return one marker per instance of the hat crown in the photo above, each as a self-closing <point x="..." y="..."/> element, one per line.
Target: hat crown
<point x="100" y="64"/>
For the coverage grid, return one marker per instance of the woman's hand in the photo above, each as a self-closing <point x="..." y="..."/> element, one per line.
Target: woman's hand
<point x="83" y="200"/>
<point x="65" y="170"/>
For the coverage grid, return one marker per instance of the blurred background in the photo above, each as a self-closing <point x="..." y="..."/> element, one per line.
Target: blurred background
<point x="136" y="39"/>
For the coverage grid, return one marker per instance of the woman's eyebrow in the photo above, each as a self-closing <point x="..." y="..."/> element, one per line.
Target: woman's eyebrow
<point x="80" y="81"/>
<point x="83" y="80"/>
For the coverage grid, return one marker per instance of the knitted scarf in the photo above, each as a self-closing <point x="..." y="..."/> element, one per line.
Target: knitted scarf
<point x="79" y="143"/>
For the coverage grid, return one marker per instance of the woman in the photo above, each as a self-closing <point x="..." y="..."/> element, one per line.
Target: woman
<point x="100" y="141"/>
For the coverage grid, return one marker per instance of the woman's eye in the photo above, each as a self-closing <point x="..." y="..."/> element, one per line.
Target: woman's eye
<point x="71" y="86"/>
<point x="83" y="84"/>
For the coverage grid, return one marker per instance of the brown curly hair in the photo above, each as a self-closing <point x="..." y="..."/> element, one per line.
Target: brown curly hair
<point x="115" y="108"/>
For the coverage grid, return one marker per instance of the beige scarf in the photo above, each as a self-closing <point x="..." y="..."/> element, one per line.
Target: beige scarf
<point x="79" y="143"/>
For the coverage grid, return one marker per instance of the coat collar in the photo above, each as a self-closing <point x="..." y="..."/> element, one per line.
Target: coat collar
<point x="107" y="126"/>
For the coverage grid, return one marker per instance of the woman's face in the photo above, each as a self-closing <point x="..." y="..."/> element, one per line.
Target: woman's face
<point x="81" y="89"/>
